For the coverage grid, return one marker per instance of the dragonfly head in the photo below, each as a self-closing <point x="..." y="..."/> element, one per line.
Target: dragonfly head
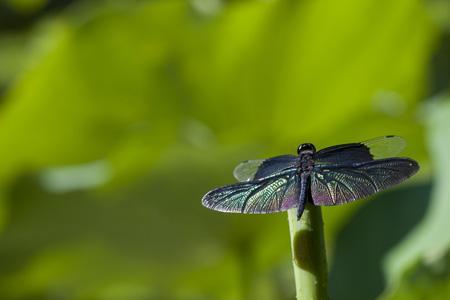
<point x="306" y="148"/>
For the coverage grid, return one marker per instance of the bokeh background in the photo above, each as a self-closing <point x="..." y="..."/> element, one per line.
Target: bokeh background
<point x="117" y="116"/>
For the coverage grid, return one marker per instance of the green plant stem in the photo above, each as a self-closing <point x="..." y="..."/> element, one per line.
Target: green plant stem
<point x="308" y="253"/>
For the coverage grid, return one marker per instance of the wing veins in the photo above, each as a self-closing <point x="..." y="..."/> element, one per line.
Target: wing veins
<point x="324" y="183"/>
<point x="354" y="165"/>
<point x="345" y="186"/>
<point x="364" y="174"/>
<point x="286" y="186"/>
<point x="263" y="186"/>
<point x="252" y="193"/>
<point x="359" y="180"/>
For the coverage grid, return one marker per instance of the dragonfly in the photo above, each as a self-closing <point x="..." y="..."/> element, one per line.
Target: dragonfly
<point x="332" y="176"/>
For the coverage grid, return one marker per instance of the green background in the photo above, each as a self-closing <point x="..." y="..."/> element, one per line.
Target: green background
<point x="116" y="117"/>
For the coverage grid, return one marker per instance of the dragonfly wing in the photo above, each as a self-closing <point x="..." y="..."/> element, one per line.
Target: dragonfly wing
<point x="275" y="193"/>
<point x="385" y="146"/>
<point x="377" y="148"/>
<point x="336" y="185"/>
<point x="246" y="170"/>
<point x="260" y="168"/>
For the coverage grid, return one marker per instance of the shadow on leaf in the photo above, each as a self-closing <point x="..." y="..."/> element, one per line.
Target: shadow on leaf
<point x="372" y="232"/>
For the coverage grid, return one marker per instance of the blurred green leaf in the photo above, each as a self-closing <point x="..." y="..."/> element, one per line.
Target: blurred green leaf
<point x="369" y="234"/>
<point x="430" y="240"/>
<point x="26" y="6"/>
<point x="425" y="280"/>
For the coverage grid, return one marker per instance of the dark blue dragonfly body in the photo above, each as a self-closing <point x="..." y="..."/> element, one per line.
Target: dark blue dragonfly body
<point x="331" y="176"/>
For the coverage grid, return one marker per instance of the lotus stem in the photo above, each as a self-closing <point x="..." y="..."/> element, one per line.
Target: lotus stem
<point x="308" y="253"/>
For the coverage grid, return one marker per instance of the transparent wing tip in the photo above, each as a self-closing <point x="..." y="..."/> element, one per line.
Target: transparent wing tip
<point x="385" y="146"/>
<point x="246" y="170"/>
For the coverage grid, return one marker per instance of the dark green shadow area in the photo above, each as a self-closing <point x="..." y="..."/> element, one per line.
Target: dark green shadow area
<point x="375" y="229"/>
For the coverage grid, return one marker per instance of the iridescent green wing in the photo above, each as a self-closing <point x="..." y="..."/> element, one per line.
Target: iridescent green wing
<point x="377" y="148"/>
<point x="278" y="192"/>
<point x="338" y="184"/>
<point x="260" y="168"/>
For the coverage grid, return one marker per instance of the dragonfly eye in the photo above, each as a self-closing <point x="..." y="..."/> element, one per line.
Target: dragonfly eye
<point x="307" y="147"/>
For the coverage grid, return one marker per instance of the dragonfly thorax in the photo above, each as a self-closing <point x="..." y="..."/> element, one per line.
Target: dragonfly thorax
<point x="306" y="148"/>
<point x="305" y="152"/>
<point x="306" y="163"/>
